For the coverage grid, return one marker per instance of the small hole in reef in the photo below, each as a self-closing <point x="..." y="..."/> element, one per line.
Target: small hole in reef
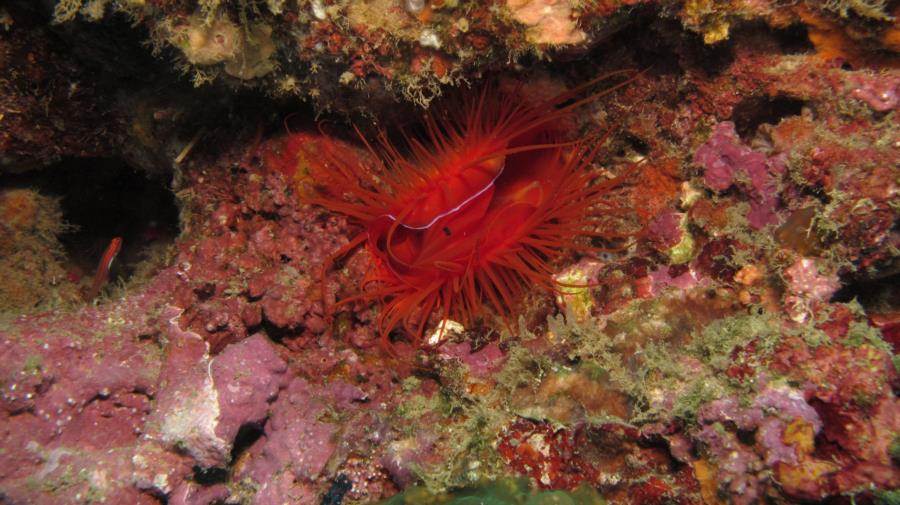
<point x="754" y="111"/>
<point x="105" y="199"/>
<point x="210" y="476"/>
<point x="637" y="145"/>
<point x="747" y="437"/>
<point x="102" y="199"/>
<point x="397" y="336"/>
<point x="246" y="436"/>
<point x="339" y="487"/>
<point x="793" y="39"/>
<point x="714" y="59"/>
<point x="526" y="60"/>
<point x="277" y="333"/>
<point x="880" y="294"/>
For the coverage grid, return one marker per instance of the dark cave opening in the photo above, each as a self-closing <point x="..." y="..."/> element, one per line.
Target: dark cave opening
<point x="247" y="435"/>
<point x="102" y="199"/>
<point x="793" y="39"/>
<point x="876" y="295"/>
<point x="210" y="476"/>
<point x="754" y="111"/>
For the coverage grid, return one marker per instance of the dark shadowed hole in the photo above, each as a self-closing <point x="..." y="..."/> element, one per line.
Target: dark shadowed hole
<point x="247" y="435"/>
<point x="277" y="333"/>
<point x="881" y="294"/>
<point x="102" y="199"/>
<point x="527" y="60"/>
<point x="746" y="437"/>
<point x="794" y="39"/>
<point x="754" y="111"/>
<point x="636" y="144"/>
<point x="339" y="487"/>
<point x="712" y="58"/>
<point x="210" y="476"/>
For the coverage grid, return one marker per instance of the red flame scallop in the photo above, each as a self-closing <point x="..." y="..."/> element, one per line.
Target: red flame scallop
<point x="475" y="211"/>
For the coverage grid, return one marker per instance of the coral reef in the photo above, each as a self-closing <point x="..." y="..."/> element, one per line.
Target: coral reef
<point x="322" y="50"/>
<point x="739" y="348"/>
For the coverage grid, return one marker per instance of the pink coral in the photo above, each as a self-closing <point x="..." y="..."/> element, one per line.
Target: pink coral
<point x="806" y="281"/>
<point x="881" y="92"/>
<point x="549" y="21"/>
<point x="807" y="286"/>
<point x="727" y="162"/>
<point x="665" y="229"/>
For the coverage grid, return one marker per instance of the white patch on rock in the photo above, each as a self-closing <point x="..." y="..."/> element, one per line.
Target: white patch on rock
<point x="318" y="10"/>
<point x="428" y="38"/>
<point x="190" y="421"/>
<point x="192" y="424"/>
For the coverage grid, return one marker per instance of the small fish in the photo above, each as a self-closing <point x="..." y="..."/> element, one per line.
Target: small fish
<point x="102" y="275"/>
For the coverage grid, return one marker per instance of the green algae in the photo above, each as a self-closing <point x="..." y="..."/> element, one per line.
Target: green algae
<point x="714" y="344"/>
<point x="574" y="289"/>
<point x="860" y="333"/>
<point x="665" y="363"/>
<point x="894" y="449"/>
<point x="888" y="497"/>
<point x="467" y="429"/>
<point x="33" y="364"/>
<point x="508" y="491"/>
<point x="684" y="250"/>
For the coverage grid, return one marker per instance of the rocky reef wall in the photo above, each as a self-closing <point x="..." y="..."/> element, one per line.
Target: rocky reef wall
<point x="736" y="344"/>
